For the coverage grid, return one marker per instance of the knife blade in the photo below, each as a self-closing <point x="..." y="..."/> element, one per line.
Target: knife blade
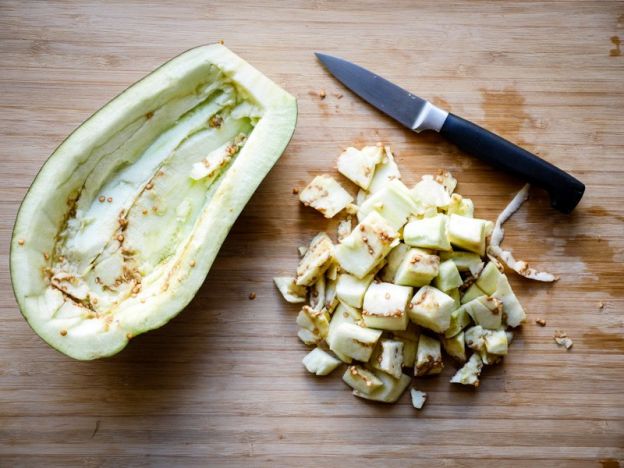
<point x="418" y="114"/>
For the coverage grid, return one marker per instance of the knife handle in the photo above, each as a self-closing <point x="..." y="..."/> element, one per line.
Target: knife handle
<point x="565" y="191"/>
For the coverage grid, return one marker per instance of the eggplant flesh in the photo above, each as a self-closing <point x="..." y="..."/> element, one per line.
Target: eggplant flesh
<point x="124" y="220"/>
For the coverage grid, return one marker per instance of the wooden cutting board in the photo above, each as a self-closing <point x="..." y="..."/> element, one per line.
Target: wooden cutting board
<point x="222" y="384"/>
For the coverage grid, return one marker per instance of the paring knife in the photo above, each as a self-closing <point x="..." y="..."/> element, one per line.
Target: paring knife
<point x="419" y="114"/>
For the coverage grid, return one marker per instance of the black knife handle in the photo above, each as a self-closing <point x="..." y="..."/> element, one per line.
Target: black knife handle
<point x="565" y="191"/>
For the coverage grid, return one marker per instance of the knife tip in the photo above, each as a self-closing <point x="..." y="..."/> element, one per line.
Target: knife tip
<point x="321" y="56"/>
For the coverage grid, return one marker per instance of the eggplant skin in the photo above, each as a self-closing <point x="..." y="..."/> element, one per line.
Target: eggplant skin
<point x="122" y="223"/>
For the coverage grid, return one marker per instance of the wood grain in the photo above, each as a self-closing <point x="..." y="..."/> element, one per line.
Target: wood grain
<point x="222" y="384"/>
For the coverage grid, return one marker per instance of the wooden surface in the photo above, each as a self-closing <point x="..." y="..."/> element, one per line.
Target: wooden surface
<point x="222" y="384"/>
